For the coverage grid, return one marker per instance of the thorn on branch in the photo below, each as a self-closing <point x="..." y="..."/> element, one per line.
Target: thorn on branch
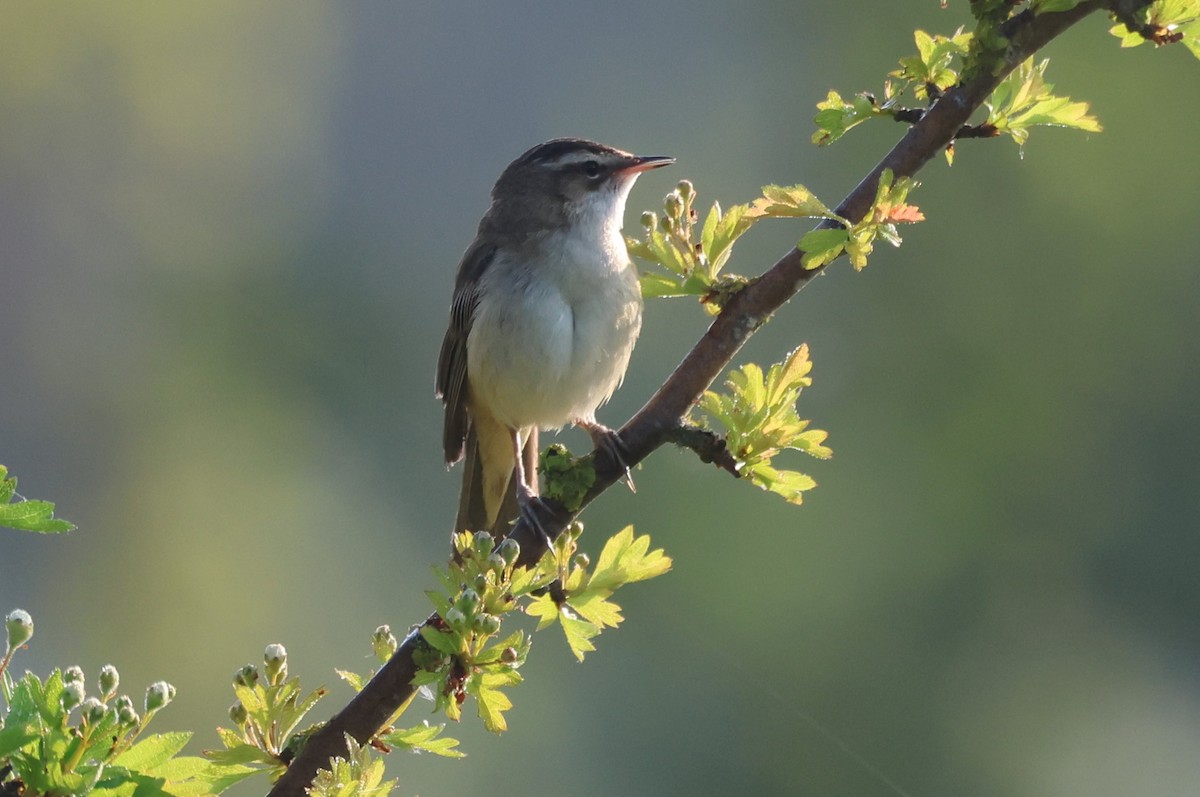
<point x="708" y="446"/>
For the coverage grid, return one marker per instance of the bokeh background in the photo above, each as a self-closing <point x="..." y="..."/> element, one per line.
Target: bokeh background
<point x="229" y="233"/>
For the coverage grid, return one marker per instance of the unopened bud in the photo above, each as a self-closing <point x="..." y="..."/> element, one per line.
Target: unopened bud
<point x="126" y="715"/>
<point x="509" y="550"/>
<point x="246" y="676"/>
<point x="275" y="658"/>
<point x="508" y="655"/>
<point x="484" y="542"/>
<point x="110" y="679"/>
<point x="237" y="713"/>
<point x="158" y="695"/>
<point x="673" y="204"/>
<point x="92" y="711"/>
<point x="582" y="560"/>
<point x="486" y="624"/>
<point x="649" y="219"/>
<point x="468" y="601"/>
<point x="455" y="618"/>
<point x="72" y="695"/>
<point x="73" y="674"/>
<point x="496" y="562"/>
<point x="18" y="625"/>
<point x="685" y="189"/>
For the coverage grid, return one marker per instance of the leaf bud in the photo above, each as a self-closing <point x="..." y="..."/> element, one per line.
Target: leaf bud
<point x="19" y="627"/>
<point x="158" y="695"/>
<point x="237" y="713"/>
<point x="110" y="679"/>
<point x="73" y="694"/>
<point x="384" y="643"/>
<point x="509" y="550"/>
<point x="247" y="675"/>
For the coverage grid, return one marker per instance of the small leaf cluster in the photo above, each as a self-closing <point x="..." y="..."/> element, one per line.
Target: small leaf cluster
<point x="693" y="268"/>
<point x="24" y="514"/>
<point x="857" y="241"/>
<point x="581" y="604"/>
<point x="1163" y="22"/>
<point x="465" y="654"/>
<point x="759" y="416"/>
<point x="1024" y="99"/>
<point x="56" y="739"/>
<point x="934" y="68"/>
<point x="1021" y="101"/>
<point x="268" y="709"/>
<point x="357" y="774"/>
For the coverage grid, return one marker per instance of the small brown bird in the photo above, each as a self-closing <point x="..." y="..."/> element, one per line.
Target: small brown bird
<point x="545" y="314"/>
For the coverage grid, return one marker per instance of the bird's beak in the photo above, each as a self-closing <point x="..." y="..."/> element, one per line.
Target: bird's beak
<point x="646" y="163"/>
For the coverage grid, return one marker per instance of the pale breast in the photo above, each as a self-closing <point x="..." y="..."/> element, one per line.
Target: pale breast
<point x="552" y="335"/>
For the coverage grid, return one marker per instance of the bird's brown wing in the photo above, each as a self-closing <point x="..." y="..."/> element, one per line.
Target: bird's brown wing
<point x="452" y="364"/>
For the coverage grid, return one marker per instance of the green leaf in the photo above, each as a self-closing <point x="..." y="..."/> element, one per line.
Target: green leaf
<point x="491" y="702"/>
<point x="595" y="607"/>
<point x="1024" y="99"/>
<point x="625" y="559"/>
<point x="152" y="752"/>
<point x="440" y="641"/>
<point x="579" y="632"/>
<point x="544" y="608"/>
<point x="425" y="738"/>
<point x="836" y="116"/>
<point x="27" y="515"/>
<point x="356" y="681"/>
<point x="13" y="738"/>
<point x="823" y="246"/>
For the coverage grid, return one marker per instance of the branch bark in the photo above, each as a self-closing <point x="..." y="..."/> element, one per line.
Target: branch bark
<point x="659" y="420"/>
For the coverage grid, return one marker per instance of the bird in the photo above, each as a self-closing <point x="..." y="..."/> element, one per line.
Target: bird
<point x="544" y="316"/>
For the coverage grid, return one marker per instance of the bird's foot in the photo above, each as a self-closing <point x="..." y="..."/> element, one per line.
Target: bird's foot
<point x="611" y="443"/>
<point x="533" y="510"/>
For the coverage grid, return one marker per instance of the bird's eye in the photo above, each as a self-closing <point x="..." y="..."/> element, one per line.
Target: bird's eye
<point x="591" y="169"/>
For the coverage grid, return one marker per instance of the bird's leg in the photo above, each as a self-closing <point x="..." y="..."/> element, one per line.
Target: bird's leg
<point x="530" y="505"/>
<point x="608" y="440"/>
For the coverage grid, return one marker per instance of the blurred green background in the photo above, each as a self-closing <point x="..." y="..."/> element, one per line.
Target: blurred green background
<point x="229" y="235"/>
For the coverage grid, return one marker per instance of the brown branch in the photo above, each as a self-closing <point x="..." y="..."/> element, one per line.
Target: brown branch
<point x="707" y="445"/>
<point x="661" y="416"/>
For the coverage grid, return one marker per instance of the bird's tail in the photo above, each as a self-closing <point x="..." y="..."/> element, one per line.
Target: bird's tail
<point x="472" y="507"/>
